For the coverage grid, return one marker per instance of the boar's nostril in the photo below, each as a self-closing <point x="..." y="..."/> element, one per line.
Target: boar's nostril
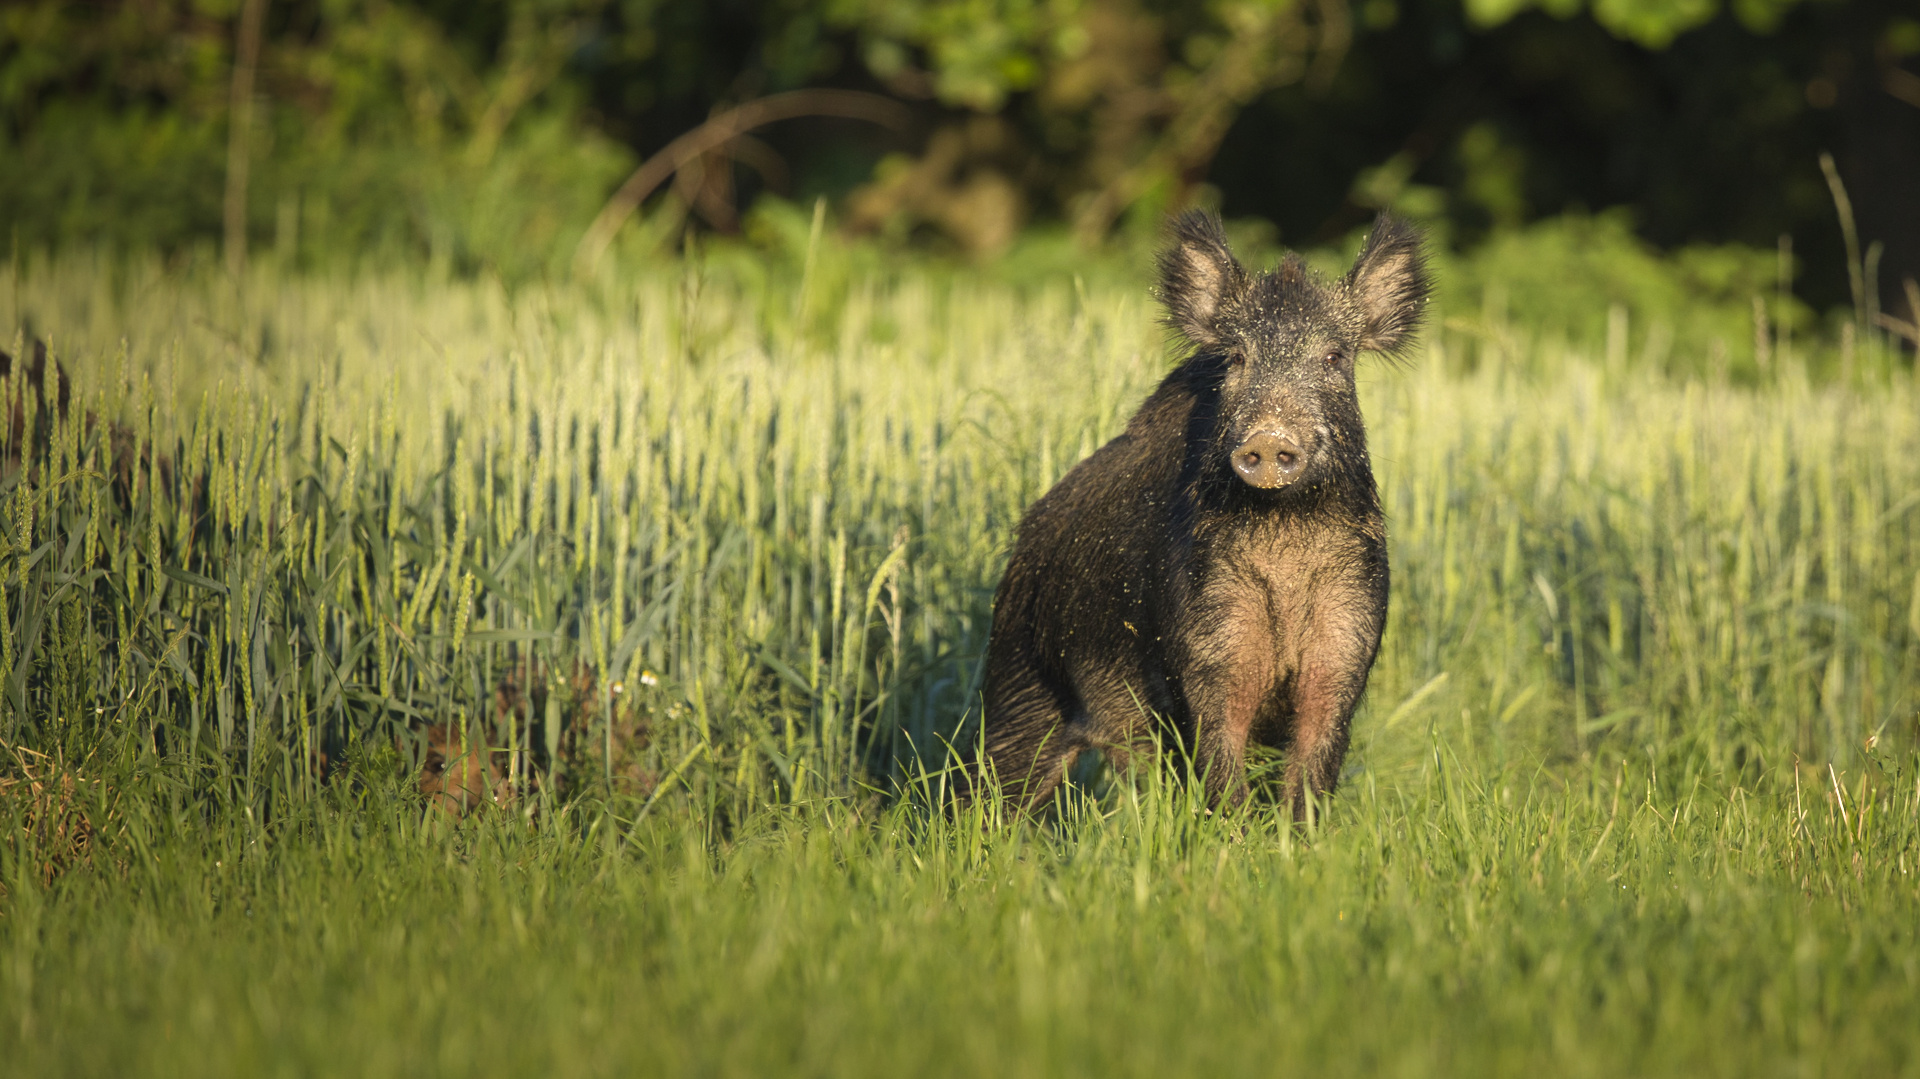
<point x="1267" y="459"/>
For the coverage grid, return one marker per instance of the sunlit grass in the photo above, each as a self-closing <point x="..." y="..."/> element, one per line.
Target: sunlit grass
<point x="1472" y="920"/>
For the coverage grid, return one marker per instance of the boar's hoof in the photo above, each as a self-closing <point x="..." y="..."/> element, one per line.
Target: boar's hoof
<point x="1268" y="459"/>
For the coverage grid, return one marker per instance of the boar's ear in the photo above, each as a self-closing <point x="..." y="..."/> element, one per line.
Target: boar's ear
<point x="1389" y="284"/>
<point x="1198" y="277"/>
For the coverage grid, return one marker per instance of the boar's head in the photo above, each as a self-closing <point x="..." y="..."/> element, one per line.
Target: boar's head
<point x="1282" y="346"/>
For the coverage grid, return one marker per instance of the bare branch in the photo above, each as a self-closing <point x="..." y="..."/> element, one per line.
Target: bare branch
<point x="717" y="132"/>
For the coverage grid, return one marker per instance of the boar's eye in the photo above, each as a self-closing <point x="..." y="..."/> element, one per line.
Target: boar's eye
<point x="1237" y="358"/>
<point x="1334" y="356"/>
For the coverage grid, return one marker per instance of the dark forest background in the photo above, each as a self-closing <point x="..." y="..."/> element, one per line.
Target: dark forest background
<point x="490" y="135"/>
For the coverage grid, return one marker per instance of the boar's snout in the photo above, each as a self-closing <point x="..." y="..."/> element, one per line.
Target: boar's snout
<point x="1268" y="459"/>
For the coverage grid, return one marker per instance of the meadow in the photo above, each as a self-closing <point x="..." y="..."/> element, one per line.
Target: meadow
<point x="403" y="673"/>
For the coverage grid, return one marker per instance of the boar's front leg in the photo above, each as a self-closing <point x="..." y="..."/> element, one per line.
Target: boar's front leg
<point x="1227" y="676"/>
<point x="1336" y="653"/>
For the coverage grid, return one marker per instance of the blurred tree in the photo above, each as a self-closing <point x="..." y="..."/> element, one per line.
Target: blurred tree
<point x="1707" y="123"/>
<point x="381" y="127"/>
<point x="489" y="132"/>
<point x="1089" y="107"/>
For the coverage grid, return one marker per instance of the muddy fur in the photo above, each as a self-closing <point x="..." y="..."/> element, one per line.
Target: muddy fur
<point x="1154" y="580"/>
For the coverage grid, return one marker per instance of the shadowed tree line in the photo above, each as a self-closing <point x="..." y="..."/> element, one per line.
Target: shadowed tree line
<point x="490" y="135"/>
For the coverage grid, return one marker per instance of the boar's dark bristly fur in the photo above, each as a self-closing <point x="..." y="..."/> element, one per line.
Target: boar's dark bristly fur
<point x="1223" y="562"/>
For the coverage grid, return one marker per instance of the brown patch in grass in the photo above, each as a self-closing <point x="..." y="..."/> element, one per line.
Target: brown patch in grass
<point x="59" y="812"/>
<point x="460" y="771"/>
<point x="463" y="769"/>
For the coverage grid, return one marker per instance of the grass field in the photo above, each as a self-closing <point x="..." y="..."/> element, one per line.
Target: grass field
<point x="677" y="583"/>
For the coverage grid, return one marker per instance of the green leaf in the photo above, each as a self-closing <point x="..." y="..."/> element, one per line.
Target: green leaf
<point x="194" y="579"/>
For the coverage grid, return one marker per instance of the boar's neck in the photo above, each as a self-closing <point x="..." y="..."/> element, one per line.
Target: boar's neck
<point x="1181" y="419"/>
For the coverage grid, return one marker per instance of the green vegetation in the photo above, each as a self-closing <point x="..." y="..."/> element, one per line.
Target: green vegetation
<point x="488" y="135"/>
<point x="1465" y="920"/>
<point x="679" y="580"/>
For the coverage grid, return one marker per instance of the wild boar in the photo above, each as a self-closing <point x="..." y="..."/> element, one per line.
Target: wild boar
<point x="1223" y="562"/>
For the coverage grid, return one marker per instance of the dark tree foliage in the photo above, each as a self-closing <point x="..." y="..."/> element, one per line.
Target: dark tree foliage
<point x="489" y="132"/>
<point x="1715" y="137"/>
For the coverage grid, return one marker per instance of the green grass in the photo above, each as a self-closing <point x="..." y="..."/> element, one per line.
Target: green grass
<point x="1635" y="789"/>
<point x="1466" y="923"/>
